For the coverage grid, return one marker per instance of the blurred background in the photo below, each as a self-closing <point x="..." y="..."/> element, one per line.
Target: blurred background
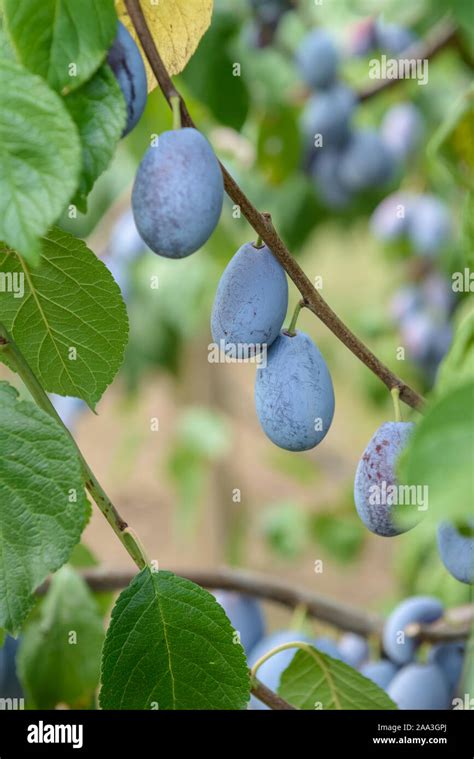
<point x="176" y="442"/>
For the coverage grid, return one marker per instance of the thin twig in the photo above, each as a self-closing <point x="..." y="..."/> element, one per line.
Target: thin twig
<point x="271" y="699"/>
<point x="456" y="623"/>
<point x="19" y="364"/>
<point x="438" y="38"/>
<point x="265" y="229"/>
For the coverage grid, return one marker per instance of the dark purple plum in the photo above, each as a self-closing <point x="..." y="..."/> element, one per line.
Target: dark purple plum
<point x="251" y="301"/>
<point x="327" y="114"/>
<point x="326" y="178"/>
<point x="419" y="686"/>
<point x="402" y="129"/>
<point x="178" y="193"/>
<point x="398" y="646"/>
<point x="457" y="551"/>
<point x="393" y="38"/>
<point x="245" y="616"/>
<point x="376" y="479"/>
<point x="380" y="672"/>
<point x="354" y="649"/>
<point x="294" y="394"/>
<point x="317" y="59"/>
<point x="389" y="221"/>
<point x="449" y="657"/>
<point x="429" y="228"/>
<point x="127" y="64"/>
<point x="366" y="162"/>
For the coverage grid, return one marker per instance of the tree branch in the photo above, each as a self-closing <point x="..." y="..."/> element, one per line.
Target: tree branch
<point x="456" y="623"/>
<point x="262" y="225"/>
<point x="438" y="38"/>
<point x="271" y="699"/>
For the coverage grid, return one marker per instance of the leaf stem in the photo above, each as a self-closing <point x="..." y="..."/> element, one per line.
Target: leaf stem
<point x="17" y="362"/>
<point x="282" y="647"/>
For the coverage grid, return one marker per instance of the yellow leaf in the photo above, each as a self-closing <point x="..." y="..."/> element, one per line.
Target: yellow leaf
<point x="176" y="27"/>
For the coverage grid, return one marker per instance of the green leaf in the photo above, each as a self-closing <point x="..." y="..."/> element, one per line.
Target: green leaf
<point x="71" y="324"/>
<point x="42" y="503"/>
<point x="278" y="144"/>
<point x="39" y="158"/>
<point x="59" y="659"/>
<point x="170" y="646"/>
<point x="457" y="367"/>
<point x="2" y="637"/>
<point x="443" y="441"/>
<point x="317" y="681"/>
<point x="98" y="109"/>
<point x="210" y="76"/>
<point x="64" y="41"/>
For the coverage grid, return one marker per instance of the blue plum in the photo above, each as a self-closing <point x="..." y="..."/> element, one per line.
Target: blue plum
<point x="317" y="59"/>
<point x="328" y="114"/>
<point x="366" y="162"/>
<point x="393" y="38"/>
<point x="429" y="228"/>
<point x="389" y="221"/>
<point x="245" y="615"/>
<point x="270" y="672"/>
<point x="457" y="552"/>
<point x="361" y="37"/>
<point x="399" y="646"/>
<point x="402" y="130"/>
<point x="178" y="193"/>
<point x="127" y="64"/>
<point x="294" y="393"/>
<point x="406" y="302"/>
<point x="329" y="647"/>
<point x="10" y="686"/>
<point x="427" y="340"/>
<point x="419" y="686"/>
<point x="375" y="486"/>
<point x="251" y="301"/>
<point x="380" y="672"/>
<point x="354" y="649"/>
<point x="449" y="658"/>
<point x="69" y="409"/>
<point x="326" y="178"/>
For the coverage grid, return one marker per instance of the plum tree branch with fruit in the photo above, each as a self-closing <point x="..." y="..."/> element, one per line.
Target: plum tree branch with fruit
<point x="267" y="232"/>
<point x="336" y="613"/>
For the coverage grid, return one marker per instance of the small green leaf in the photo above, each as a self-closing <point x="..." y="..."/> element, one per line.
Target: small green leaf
<point x="42" y="503"/>
<point x="59" y="659"/>
<point x="98" y="109"/>
<point x="443" y="441"/>
<point x="341" y="534"/>
<point x="171" y="646"/>
<point x="39" y="158"/>
<point x="64" y="41"/>
<point x="71" y="324"/>
<point x="314" y="680"/>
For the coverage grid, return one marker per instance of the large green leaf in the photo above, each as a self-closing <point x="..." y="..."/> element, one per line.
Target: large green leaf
<point x="42" y="503"/>
<point x="59" y="660"/>
<point x="210" y="75"/>
<point x="171" y="646"/>
<point x="40" y="158"/>
<point x="71" y="324"/>
<point x="440" y="455"/>
<point x="64" y="41"/>
<point x="317" y="681"/>
<point x="98" y="109"/>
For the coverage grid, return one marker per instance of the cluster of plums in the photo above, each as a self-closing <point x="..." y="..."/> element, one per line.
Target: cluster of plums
<point x="372" y="34"/>
<point x="421" y="309"/>
<point x="375" y="489"/>
<point x="294" y="394"/>
<point x="343" y="160"/>
<point x="410" y="683"/>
